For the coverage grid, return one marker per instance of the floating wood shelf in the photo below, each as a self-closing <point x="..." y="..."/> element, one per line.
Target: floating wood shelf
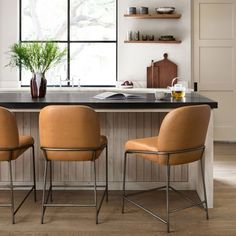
<point x="155" y="41"/>
<point x="154" y="16"/>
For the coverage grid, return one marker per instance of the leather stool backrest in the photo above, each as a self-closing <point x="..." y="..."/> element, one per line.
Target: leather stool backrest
<point x="9" y="135"/>
<point x="184" y="128"/>
<point x="69" y="127"/>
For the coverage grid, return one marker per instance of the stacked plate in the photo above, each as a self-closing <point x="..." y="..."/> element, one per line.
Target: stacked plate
<point x="167" y="38"/>
<point x="165" y="10"/>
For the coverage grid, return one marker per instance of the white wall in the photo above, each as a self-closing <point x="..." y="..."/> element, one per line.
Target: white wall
<point x="133" y="58"/>
<point x="8" y="36"/>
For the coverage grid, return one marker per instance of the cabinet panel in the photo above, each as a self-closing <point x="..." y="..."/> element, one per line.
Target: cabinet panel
<point x="216" y="68"/>
<point x="216" y="21"/>
<point x="214" y="60"/>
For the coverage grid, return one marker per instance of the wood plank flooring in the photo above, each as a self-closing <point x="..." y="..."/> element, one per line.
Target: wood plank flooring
<point x="81" y="221"/>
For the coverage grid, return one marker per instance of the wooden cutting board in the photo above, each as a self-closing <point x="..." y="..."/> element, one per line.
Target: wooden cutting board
<point x="161" y="73"/>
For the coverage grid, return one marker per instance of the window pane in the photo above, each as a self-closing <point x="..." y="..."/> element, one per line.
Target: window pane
<point x="93" y="63"/>
<point x="44" y="19"/>
<point x="53" y="76"/>
<point x="93" y="20"/>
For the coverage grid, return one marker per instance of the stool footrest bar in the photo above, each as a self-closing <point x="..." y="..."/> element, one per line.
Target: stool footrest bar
<point x="67" y="205"/>
<point x="186" y="207"/>
<point x="5" y="205"/>
<point x="146" y="210"/>
<point x="15" y="186"/>
<point x="77" y="186"/>
<point x="22" y="202"/>
<point x="144" y="191"/>
<point x="100" y="204"/>
<point x="186" y="197"/>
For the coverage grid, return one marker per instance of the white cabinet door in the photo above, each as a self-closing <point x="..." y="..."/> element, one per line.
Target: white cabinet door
<point x="215" y="60"/>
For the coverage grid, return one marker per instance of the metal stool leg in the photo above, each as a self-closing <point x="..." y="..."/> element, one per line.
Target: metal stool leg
<point x="12" y="194"/>
<point x="34" y="174"/>
<point x="44" y="189"/>
<point x="95" y="191"/>
<point x="124" y="176"/>
<point x="167" y="197"/>
<point x="204" y="188"/>
<point x="50" y="165"/>
<point x="106" y="174"/>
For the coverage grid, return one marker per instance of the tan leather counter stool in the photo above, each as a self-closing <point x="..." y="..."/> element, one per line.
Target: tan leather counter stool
<point x="71" y="133"/>
<point x="181" y="140"/>
<point x="11" y="147"/>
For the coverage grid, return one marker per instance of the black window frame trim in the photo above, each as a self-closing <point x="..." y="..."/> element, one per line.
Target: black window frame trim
<point x="69" y="42"/>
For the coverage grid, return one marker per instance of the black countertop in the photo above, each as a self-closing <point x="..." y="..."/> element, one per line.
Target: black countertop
<point x="23" y="100"/>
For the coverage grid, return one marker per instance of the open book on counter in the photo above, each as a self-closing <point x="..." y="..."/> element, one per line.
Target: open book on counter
<point x="117" y="96"/>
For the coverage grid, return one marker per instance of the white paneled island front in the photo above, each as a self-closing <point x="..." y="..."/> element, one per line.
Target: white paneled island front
<point x="120" y="120"/>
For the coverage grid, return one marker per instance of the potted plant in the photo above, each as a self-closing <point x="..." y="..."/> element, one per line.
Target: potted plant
<point x="37" y="58"/>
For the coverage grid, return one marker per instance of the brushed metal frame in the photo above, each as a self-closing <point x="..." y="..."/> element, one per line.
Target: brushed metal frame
<point x="96" y="205"/>
<point x="12" y="186"/>
<point x="167" y="187"/>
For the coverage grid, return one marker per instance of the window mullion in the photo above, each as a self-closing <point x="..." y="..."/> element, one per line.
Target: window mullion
<point x="71" y="45"/>
<point x="68" y="41"/>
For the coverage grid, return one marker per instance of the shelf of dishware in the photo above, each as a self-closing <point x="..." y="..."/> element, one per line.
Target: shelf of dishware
<point x="154" y="16"/>
<point x="154" y="41"/>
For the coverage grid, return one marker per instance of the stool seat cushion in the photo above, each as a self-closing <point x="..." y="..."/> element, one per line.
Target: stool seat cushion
<point x="151" y="145"/>
<point x="24" y="143"/>
<point x="76" y="155"/>
<point x="144" y="144"/>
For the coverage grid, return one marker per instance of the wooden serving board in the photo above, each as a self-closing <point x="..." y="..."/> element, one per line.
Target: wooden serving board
<point x="161" y="73"/>
<point x="152" y="72"/>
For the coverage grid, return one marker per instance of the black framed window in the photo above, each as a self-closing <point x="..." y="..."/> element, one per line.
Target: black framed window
<point x="86" y="28"/>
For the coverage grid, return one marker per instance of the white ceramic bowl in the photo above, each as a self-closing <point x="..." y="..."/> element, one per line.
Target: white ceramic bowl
<point x="159" y="95"/>
<point x="165" y="10"/>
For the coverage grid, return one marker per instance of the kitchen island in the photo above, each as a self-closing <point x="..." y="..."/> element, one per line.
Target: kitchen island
<point x="120" y="120"/>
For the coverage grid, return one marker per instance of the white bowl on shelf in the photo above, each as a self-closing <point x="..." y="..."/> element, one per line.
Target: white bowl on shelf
<point x="165" y="10"/>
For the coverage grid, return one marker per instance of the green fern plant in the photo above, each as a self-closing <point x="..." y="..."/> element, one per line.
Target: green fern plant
<point x="36" y="57"/>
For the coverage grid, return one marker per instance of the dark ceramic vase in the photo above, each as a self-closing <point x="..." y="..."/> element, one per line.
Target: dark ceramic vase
<point x="38" y="86"/>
